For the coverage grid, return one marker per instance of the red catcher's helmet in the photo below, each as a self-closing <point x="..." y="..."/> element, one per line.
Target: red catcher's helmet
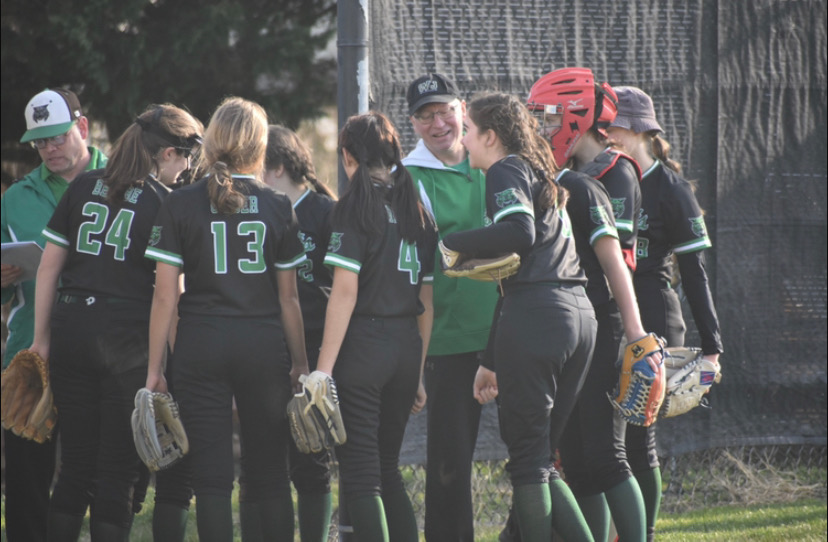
<point x="572" y="93"/>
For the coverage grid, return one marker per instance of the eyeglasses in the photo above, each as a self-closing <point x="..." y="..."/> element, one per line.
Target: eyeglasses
<point x="56" y="141"/>
<point x="444" y="114"/>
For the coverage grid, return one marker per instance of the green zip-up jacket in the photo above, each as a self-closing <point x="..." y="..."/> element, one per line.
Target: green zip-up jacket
<point x="463" y="308"/>
<point x="27" y="207"/>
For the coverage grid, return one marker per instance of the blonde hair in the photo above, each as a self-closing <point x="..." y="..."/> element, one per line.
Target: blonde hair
<point x="235" y="141"/>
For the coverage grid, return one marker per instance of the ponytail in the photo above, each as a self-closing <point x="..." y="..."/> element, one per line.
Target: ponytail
<point x="661" y="150"/>
<point x="224" y="193"/>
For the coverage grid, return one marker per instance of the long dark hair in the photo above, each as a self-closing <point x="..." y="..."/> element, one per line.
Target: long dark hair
<point x="235" y="140"/>
<point x="286" y="148"/>
<point x="517" y="131"/>
<point x="133" y="155"/>
<point x="373" y="142"/>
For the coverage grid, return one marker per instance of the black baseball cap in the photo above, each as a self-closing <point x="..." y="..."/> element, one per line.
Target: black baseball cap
<point x="431" y="88"/>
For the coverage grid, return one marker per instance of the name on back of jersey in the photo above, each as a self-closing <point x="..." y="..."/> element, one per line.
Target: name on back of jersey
<point x="251" y="206"/>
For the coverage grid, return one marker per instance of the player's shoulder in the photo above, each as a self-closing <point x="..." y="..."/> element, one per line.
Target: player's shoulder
<point x="318" y="201"/>
<point x="580" y="183"/>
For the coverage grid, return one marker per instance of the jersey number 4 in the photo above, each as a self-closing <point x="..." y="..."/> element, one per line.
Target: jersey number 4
<point x="253" y="230"/>
<point x="409" y="261"/>
<point x="117" y="236"/>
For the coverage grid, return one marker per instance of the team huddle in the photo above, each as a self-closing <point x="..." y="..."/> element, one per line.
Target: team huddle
<point x="250" y="286"/>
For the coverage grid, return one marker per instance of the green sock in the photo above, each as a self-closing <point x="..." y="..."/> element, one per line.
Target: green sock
<point x="267" y="520"/>
<point x="533" y="508"/>
<point x="214" y="517"/>
<point x="169" y="523"/>
<point x="368" y="519"/>
<point x="567" y="518"/>
<point x="402" y="523"/>
<point x="627" y="506"/>
<point x="650" y="483"/>
<point x="314" y="516"/>
<point x="596" y="514"/>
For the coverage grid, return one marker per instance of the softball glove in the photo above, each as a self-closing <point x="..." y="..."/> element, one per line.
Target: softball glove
<point x="27" y="406"/>
<point x="157" y="430"/>
<point x="689" y="378"/>
<point x="314" y="416"/>
<point x="640" y="390"/>
<point x="483" y="269"/>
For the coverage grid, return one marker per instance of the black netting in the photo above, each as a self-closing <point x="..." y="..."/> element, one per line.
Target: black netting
<point x="740" y="89"/>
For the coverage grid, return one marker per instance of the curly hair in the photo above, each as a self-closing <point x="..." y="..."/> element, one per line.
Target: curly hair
<point x="517" y="131"/>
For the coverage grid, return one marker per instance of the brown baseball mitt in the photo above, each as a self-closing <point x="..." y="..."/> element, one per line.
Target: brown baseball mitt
<point x="26" y="408"/>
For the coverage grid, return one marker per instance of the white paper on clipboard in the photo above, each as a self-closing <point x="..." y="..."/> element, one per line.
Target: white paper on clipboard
<point x="23" y="254"/>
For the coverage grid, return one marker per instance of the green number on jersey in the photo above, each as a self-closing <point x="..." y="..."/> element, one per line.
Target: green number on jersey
<point x="256" y="264"/>
<point x="117" y="236"/>
<point x="305" y="271"/>
<point x="219" y="230"/>
<point x="254" y="246"/>
<point x="409" y="261"/>
<point x="95" y="226"/>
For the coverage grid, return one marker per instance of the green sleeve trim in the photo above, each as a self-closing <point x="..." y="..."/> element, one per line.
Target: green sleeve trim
<point x="624" y="225"/>
<point x="602" y="231"/>
<point x="55" y="238"/>
<point x="345" y="263"/>
<point x="693" y="246"/>
<point x="512" y="209"/>
<point x="292" y="264"/>
<point x="164" y="257"/>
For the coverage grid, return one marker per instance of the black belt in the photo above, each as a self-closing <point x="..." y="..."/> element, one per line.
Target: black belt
<point x="92" y="299"/>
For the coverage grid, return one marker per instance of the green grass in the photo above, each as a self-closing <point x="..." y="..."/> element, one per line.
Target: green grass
<point x="803" y="520"/>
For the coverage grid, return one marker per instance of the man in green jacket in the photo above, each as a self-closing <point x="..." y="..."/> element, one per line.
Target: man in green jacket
<point x="455" y="195"/>
<point x="58" y="130"/>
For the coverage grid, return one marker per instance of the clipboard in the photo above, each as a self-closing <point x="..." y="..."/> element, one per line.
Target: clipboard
<point x="23" y="254"/>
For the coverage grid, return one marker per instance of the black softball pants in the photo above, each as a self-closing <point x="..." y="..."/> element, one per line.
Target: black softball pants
<point x="216" y="359"/>
<point x="542" y="349"/>
<point x="98" y="361"/>
<point x="592" y="447"/>
<point x="660" y="310"/>
<point x="377" y="375"/>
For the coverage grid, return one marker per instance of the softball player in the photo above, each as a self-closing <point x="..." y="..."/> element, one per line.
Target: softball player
<point x="92" y="326"/>
<point x="592" y="448"/>
<point x="575" y="111"/>
<point x="378" y="323"/>
<point x="544" y="329"/>
<point x="670" y="222"/>
<point x="236" y="242"/>
<point x="289" y="169"/>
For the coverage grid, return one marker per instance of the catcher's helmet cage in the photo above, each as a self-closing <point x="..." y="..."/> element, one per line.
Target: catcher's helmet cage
<point x="581" y="102"/>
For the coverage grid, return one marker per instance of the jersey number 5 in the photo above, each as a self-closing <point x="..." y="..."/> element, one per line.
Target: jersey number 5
<point x="255" y="246"/>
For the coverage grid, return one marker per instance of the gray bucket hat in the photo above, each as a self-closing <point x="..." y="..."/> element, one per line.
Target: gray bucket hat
<point x="635" y="111"/>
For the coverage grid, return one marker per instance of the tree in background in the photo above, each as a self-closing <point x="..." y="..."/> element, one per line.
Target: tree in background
<point x="121" y="56"/>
